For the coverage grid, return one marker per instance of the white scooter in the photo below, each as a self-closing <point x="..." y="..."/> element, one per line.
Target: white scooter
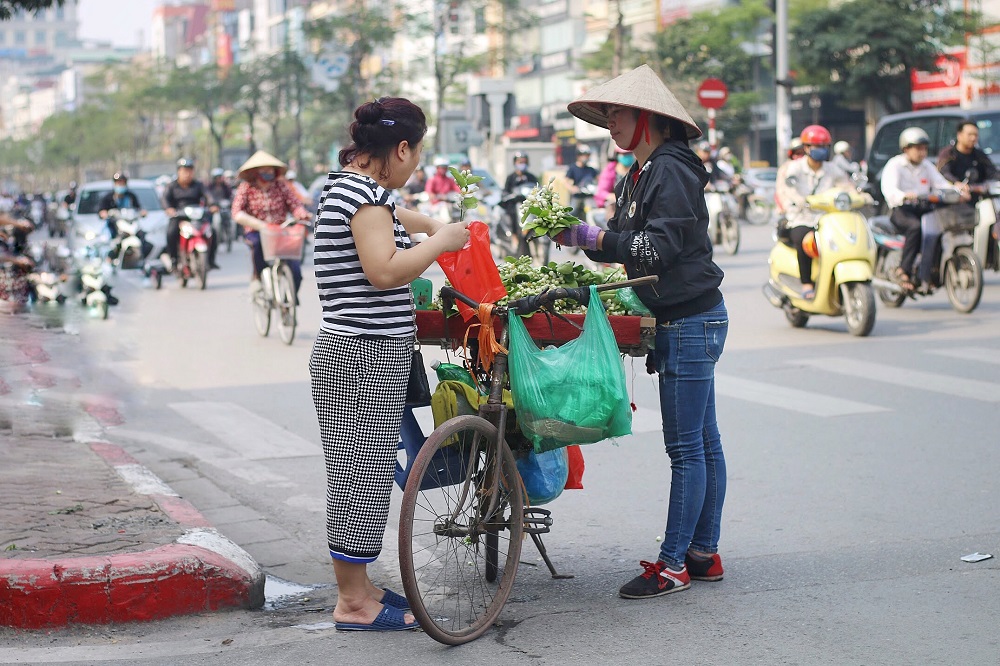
<point x="723" y="217"/>
<point x="985" y="241"/>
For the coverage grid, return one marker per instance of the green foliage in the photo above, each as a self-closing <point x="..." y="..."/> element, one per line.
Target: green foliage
<point x="866" y="48"/>
<point x="711" y="44"/>
<point x="8" y="7"/>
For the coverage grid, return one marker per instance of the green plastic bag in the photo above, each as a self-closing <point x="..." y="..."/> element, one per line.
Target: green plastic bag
<point x="573" y="394"/>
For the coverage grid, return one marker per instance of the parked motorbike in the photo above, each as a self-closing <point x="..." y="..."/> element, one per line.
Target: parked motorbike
<point x="48" y="287"/>
<point x="93" y="272"/>
<point x="192" y="256"/>
<point x="843" y="267"/>
<point x="723" y="220"/>
<point x="955" y="265"/>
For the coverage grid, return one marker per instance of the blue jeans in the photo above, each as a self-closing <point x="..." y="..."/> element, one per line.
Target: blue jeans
<point x="686" y="353"/>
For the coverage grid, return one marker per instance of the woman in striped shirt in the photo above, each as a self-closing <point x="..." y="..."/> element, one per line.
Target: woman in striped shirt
<point x="364" y="263"/>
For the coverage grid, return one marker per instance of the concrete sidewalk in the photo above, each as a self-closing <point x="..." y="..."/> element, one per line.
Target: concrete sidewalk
<point x="87" y="534"/>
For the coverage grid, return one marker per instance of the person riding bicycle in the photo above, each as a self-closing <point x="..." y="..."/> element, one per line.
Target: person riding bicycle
<point x="904" y="178"/>
<point x="810" y="175"/>
<point x="183" y="191"/>
<point x="264" y="198"/>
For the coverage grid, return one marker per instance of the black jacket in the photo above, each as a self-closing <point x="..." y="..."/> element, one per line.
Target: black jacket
<point x="126" y="200"/>
<point x="195" y="194"/>
<point x="660" y="228"/>
<point x="954" y="165"/>
<point x="518" y="178"/>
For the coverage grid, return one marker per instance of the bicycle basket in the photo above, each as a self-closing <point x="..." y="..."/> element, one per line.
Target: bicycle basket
<point x="956" y="218"/>
<point x="282" y="242"/>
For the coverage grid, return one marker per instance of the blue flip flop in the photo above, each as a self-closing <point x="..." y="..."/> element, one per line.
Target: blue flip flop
<point x="388" y="619"/>
<point x="390" y="598"/>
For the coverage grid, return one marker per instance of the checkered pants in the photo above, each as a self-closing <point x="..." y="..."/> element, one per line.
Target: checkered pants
<point x="358" y="388"/>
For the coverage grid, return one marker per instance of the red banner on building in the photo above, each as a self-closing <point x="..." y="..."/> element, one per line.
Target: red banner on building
<point x="940" y="88"/>
<point x="223" y="5"/>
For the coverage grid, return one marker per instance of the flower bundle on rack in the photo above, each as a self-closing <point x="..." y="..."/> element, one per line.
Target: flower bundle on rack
<point x="547" y="216"/>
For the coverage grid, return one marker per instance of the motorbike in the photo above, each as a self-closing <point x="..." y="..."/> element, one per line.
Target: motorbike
<point x="192" y="255"/>
<point x="843" y="269"/>
<point x="129" y="247"/>
<point x="48" y="287"/>
<point x="954" y="264"/>
<point x="222" y="224"/>
<point x="94" y="272"/>
<point x="723" y="222"/>
<point x="985" y="237"/>
<point x="60" y="223"/>
<point x="505" y="235"/>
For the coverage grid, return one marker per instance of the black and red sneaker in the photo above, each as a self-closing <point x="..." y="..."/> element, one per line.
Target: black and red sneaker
<point x="709" y="568"/>
<point x="655" y="581"/>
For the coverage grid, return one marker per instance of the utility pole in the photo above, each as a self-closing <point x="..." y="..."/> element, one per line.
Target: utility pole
<point x="782" y="120"/>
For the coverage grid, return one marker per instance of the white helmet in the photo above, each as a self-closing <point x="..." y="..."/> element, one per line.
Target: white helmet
<point x="913" y="136"/>
<point x="290" y="174"/>
<point x="841" y="147"/>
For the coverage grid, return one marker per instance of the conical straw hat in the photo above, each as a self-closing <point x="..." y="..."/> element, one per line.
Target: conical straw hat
<point x="262" y="159"/>
<point x="640" y="89"/>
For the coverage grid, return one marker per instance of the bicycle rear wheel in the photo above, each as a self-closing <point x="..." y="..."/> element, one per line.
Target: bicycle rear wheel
<point x="260" y="301"/>
<point x="449" y="549"/>
<point x="284" y="298"/>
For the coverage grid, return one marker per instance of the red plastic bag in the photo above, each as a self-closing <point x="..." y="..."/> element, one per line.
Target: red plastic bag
<point x="575" y="479"/>
<point x="472" y="269"/>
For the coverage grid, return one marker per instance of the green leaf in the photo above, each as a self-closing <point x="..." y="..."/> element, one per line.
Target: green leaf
<point x="472" y="180"/>
<point x="470" y="202"/>
<point x="459" y="178"/>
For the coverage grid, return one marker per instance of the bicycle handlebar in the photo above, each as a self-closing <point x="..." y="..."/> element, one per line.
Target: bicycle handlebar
<point x="535" y="302"/>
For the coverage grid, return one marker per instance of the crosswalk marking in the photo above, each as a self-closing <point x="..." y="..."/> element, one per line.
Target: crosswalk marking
<point x="977" y="354"/>
<point x="805" y="402"/>
<point x="252" y="436"/>
<point x="960" y="387"/>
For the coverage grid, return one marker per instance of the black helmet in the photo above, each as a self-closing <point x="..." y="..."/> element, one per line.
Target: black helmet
<point x="120" y="175"/>
<point x="519" y="155"/>
<point x="185" y="162"/>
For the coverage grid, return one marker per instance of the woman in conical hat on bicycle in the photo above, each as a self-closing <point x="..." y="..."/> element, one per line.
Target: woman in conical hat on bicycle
<point x="265" y="198"/>
<point x="660" y="227"/>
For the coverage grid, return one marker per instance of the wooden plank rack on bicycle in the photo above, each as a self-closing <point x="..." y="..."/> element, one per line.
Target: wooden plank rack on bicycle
<point x="463" y="513"/>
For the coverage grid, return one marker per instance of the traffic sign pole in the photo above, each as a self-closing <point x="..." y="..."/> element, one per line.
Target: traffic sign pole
<point x="711" y="128"/>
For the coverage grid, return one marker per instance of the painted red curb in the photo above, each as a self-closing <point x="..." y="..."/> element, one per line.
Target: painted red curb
<point x="150" y="585"/>
<point x="176" y="579"/>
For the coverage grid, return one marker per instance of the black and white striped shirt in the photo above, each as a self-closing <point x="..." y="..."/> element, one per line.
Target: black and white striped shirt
<point x="351" y="305"/>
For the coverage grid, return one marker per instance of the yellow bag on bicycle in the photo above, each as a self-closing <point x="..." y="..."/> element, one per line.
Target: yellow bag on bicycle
<point x="573" y="394"/>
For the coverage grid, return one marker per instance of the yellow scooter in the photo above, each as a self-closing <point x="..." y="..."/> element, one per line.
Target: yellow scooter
<point x="842" y="270"/>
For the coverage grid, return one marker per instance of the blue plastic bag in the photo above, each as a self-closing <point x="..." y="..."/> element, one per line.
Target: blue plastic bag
<point x="544" y="474"/>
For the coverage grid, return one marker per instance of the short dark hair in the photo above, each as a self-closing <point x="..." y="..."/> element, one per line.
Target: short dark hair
<point x="962" y="123"/>
<point x="379" y="127"/>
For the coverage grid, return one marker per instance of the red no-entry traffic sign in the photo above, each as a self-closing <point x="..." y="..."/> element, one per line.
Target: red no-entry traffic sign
<point x="712" y="93"/>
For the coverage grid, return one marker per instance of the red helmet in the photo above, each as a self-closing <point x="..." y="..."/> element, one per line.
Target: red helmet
<point x="816" y="135"/>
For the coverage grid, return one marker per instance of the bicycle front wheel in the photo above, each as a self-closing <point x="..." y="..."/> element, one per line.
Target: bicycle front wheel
<point x="260" y="301"/>
<point x="284" y="298"/>
<point x="458" y="559"/>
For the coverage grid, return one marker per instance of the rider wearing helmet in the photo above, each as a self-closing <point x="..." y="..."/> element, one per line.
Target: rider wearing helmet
<point x="441" y="184"/>
<point x="842" y="158"/>
<point x="715" y="174"/>
<point x="186" y="190"/>
<point x="520" y="175"/>
<point x="219" y="187"/>
<point x="119" y="197"/>
<point x="811" y="175"/>
<point x="904" y="178"/>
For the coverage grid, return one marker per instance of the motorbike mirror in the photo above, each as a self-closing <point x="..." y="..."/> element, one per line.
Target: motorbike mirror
<point x="950" y="196"/>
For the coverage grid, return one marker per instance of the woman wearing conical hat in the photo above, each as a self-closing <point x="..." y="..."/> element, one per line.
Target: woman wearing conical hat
<point x="265" y="198"/>
<point x="660" y="227"/>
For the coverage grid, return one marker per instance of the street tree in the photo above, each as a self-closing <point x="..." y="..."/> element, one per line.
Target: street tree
<point x="9" y="7"/>
<point x="714" y="44"/>
<point x="864" y="50"/>
<point x="210" y="91"/>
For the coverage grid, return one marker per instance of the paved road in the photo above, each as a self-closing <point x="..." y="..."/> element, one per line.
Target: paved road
<point x="861" y="470"/>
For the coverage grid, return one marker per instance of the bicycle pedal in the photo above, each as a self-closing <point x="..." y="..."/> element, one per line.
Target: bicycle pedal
<point x="537" y="520"/>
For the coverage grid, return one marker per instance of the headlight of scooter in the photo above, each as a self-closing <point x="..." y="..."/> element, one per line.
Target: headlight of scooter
<point x="842" y="201"/>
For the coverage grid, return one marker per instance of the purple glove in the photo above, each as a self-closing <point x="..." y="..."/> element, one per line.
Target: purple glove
<point x="579" y="235"/>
